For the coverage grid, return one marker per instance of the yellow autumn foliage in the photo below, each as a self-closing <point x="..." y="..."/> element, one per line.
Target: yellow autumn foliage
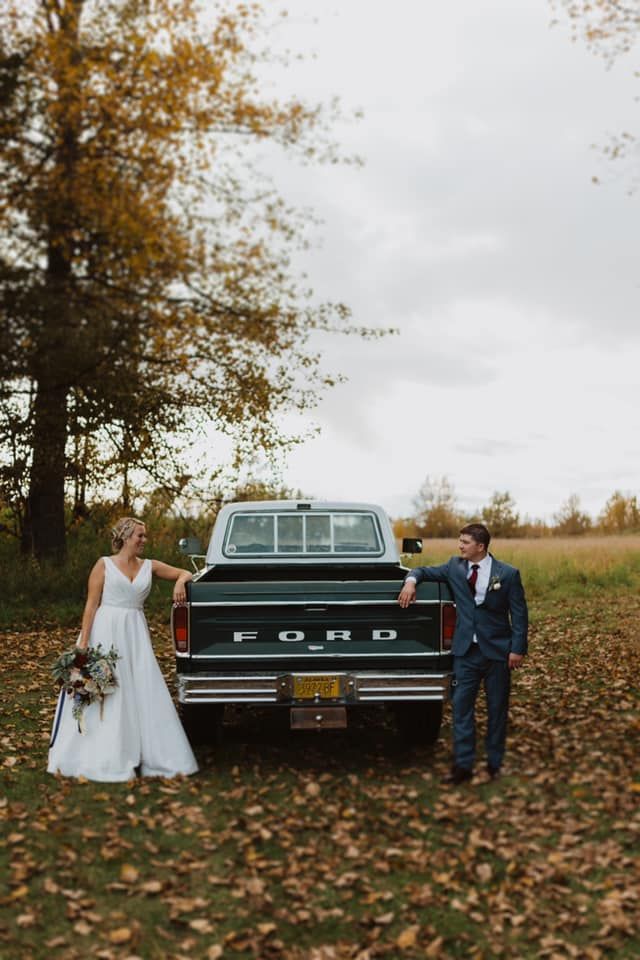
<point x="145" y="287"/>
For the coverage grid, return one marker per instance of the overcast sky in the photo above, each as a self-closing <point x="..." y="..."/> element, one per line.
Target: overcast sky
<point x="475" y="229"/>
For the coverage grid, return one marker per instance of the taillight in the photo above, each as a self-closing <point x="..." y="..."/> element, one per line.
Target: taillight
<point x="448" y="625"/>
<point x="180" y="628"/>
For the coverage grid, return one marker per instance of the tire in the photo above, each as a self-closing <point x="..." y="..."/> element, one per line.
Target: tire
<point x="202" y="722"/>
<point x="419" y="722"/>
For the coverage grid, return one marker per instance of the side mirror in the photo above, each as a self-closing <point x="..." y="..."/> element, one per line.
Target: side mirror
<point x="412" y="545"/>
<point x="189" y="545"/>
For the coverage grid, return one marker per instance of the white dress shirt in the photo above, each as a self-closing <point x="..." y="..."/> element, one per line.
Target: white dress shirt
<point x="484" y="569"/>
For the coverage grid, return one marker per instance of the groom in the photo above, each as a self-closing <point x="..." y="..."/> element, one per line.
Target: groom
<point x="490" y="640"/>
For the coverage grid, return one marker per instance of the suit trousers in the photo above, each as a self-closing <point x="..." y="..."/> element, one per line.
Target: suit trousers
<point x="470" y="671"/>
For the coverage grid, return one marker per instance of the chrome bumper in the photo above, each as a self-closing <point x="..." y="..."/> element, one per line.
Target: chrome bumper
<point x="354" y="687"/>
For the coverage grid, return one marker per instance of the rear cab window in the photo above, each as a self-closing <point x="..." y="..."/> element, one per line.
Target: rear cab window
<point x="316" y="534"/>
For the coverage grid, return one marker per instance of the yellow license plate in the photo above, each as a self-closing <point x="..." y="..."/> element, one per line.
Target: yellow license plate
<point x="321" y="687"/>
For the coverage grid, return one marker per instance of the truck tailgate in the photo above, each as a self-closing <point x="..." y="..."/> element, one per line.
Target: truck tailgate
<point x="237" y="622"/>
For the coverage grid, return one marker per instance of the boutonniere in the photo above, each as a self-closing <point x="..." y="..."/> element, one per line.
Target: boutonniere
<point x="494" y="583"/>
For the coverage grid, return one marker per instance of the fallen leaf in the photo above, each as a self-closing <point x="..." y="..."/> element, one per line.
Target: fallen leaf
<point x="384" y="919"/>
<point x="19" y="892"/>
<point x="408" y="937"/>
<point x="152" y="886"/>
<point x="435" y="948"/>
<point x="129" y="873"/>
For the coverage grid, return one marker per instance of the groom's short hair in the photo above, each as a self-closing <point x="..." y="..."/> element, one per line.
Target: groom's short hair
<point x="479" y="533"/>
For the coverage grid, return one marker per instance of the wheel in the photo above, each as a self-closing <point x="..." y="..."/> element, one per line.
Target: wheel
<point x="202" y="722"/>
<point x="419" y="722"/>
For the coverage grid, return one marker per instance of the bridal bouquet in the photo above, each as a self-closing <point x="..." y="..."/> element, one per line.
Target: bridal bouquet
<point x="86" y="676"/>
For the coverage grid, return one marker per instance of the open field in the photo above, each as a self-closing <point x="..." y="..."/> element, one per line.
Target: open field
<point x="342" y="845"/>
<point x="560" y="566"/>
<point x="598" y="551"/>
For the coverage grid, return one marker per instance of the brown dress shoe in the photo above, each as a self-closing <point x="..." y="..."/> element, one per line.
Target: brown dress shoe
<point x="494" y="772"/>
<point x="457" y="775"/>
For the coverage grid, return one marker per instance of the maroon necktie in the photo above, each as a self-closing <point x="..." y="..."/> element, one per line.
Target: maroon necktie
<point x="472" y="579"/>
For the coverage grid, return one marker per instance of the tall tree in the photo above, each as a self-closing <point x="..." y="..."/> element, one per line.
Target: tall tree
<point x="501" y="516"/>
<point x="436" y="509"/>
<point x="571" y="520"/>
<point x="621" y="514"/>
<point x="140" y="283"/>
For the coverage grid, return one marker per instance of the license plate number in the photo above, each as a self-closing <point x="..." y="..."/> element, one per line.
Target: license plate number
<point x="323" y="687"/>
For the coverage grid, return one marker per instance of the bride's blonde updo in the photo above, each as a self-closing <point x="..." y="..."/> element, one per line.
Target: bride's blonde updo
<point x="122" y="531"/>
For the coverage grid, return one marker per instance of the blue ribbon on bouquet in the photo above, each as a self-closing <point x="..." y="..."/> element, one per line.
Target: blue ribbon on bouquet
<point x="56" y="722"/>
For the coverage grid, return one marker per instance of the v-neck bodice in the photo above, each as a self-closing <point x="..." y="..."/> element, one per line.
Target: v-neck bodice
<point x="119" y="591"/>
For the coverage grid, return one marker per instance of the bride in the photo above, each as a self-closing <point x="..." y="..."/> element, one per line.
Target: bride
<point x="138" y="730"/>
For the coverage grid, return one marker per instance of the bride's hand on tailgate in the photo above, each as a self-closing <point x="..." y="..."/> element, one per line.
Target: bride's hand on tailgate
<point x="179" y="591"/>
<point x="166" y="572"/>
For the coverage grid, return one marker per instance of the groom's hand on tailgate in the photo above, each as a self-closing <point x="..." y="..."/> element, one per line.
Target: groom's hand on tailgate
<point x="408" y="593"/>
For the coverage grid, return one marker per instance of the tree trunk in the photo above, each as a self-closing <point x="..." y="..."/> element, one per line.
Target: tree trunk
<point x="26" y="537"/>
<point x="46" y="493"/>
<point x="126" y="494"/>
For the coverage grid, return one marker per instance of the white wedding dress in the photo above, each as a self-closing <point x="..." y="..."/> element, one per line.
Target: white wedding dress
<point x="139" y="730"/>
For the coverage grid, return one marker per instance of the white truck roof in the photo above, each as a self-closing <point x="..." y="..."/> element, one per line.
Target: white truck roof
<point x="301" y="531"/>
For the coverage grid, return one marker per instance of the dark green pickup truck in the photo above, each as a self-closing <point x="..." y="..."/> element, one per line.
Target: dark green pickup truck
<point x="296" y="609"/>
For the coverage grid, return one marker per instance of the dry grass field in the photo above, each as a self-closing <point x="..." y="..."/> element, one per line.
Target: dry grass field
<point x="563" y="566"/>
<point x="597" y="552"/>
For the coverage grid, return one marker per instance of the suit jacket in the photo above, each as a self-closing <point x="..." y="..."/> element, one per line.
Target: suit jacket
<point x="500" y="623"/>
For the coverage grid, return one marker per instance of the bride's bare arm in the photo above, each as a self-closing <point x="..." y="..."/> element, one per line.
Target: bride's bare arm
<point x="166" y="572"/>
<point x="94" y="593"/>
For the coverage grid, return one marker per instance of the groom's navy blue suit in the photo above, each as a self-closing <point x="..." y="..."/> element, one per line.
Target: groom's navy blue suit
<point x="499" y="625"/>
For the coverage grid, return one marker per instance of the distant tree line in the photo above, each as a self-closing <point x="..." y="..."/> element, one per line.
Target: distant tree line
<point x="438" y="514"/>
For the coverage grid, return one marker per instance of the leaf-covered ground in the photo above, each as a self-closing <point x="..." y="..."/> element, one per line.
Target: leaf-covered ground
<point x="341" y="845"/>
